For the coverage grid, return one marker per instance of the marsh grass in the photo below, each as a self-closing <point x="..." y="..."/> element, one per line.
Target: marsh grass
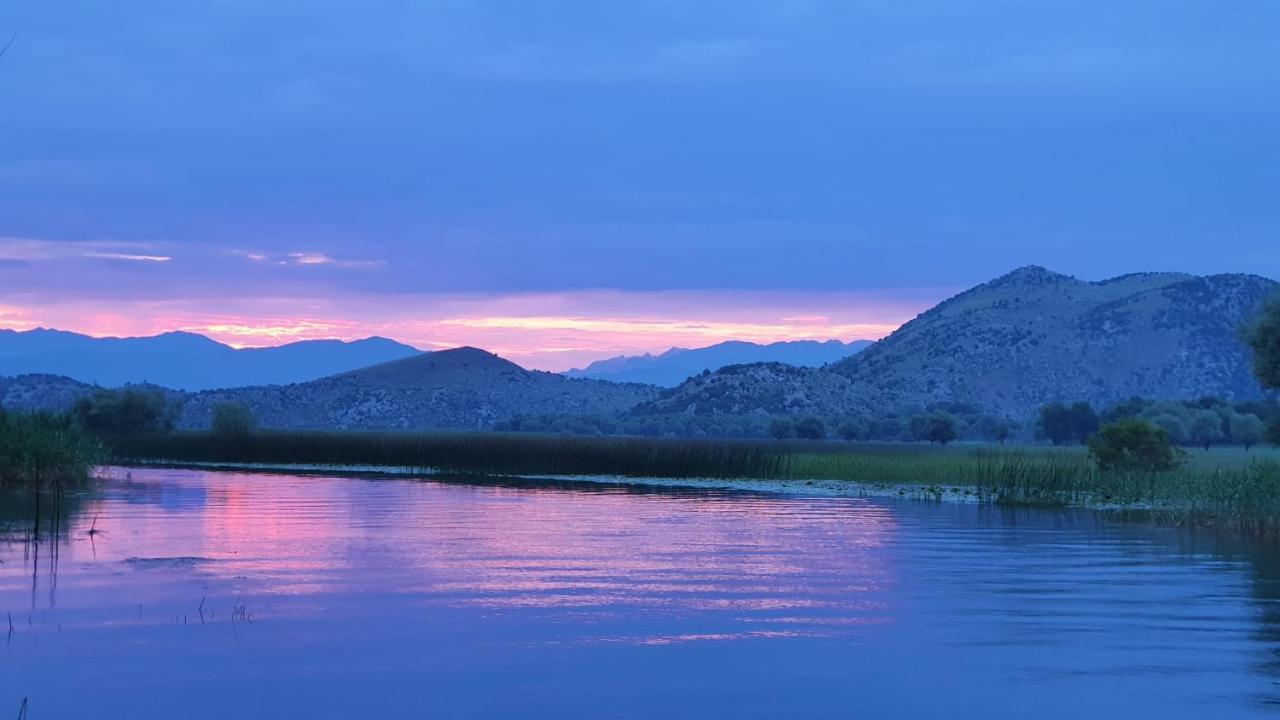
<point x="1221" y="487"/>
<point x="40" y="449"/>
<point x="471" y="453"/>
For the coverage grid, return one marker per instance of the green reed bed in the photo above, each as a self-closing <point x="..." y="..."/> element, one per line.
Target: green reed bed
<point x="1242" y="496"/>
<point x="475" y="453"/>
<point x="1223" y="488"/>
<point x="40" y="449"/>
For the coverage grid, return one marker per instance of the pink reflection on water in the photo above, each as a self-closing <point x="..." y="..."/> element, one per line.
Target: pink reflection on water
<point x="313" y="547"/>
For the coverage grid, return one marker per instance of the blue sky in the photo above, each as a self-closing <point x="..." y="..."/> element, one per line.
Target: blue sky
<point x="353" y="167"/>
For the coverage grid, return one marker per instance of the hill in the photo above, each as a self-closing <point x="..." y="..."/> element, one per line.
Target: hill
<point x="1009" y="346"/>
<point x="463" y="388"/>
<point x="674" y="366"/>
<point x="184" y="361"/>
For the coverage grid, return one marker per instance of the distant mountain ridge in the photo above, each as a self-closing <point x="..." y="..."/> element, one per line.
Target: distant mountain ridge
<point x="1008" y="346"/>
<point x="676" y="365"/>
<point x="1005" y="347"/>
<point x="458" y="389"/>
<point x="185" y="361"/>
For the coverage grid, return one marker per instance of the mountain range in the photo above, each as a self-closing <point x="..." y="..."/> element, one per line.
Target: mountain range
<point x="1005" y="348"/>
<point x="185" y="361"/>
<point x="676" y="365"/>
<point x="1008" y="346"/>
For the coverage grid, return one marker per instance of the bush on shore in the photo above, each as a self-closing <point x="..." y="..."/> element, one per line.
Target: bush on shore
<point x="1134" y="445"/>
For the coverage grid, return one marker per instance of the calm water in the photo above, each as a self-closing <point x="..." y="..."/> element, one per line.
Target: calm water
<point x="219" y="595"/>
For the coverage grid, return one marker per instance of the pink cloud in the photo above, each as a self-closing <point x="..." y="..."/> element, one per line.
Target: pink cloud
<point x="551" y="331"/>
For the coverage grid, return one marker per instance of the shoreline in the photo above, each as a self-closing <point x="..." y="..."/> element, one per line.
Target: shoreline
<point x="798" y="487"/>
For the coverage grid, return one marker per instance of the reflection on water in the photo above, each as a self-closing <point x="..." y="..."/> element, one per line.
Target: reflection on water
<point x="236" y="595"/>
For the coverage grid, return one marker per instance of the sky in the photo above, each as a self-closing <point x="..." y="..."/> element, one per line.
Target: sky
<point x="564" y="181"/>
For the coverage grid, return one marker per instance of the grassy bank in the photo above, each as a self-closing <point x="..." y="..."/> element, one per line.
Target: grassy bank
<point x="1221" y="486"/>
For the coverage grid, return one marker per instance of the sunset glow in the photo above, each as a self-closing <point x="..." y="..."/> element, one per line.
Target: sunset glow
<point x="554" y="331"/>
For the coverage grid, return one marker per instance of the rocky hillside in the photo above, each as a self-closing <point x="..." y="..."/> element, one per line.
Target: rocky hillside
<point x="50" y="393"/>
<point x="465" y="388"/>
<point x="756" y="389"/>
<point x="1035" y="336"/>
<point x="1010" y="345"/>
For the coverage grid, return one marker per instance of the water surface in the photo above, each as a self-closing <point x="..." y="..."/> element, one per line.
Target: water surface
<point x="215" y="595"/>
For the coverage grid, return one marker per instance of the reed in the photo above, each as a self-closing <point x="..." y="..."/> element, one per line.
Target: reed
<point x="470" y="453"/>
<point x="1221" y="489"/>
<point x="40" y="449"/>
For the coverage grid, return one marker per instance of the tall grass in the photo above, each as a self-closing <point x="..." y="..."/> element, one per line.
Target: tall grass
<point x="488" y="454"/>
<point x="41" y="449"/>
<point x="1244" y="496"/>
<point x="1217" y="488"/>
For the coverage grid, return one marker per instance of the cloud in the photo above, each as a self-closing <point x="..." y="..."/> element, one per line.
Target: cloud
<point x="18" y="252"/>
<point x="319" y="258"/>
<point x="126" y="256"/>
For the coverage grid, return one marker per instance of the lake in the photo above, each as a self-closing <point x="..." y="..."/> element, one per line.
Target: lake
<point x="177" y="593"/>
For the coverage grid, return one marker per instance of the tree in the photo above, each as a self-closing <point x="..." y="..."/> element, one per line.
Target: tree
<point x="1174" y="426"/>
<point x="811" y="428"/>
<point x="1083" y="420"/>
<point x="919" y="427"/>
<point x="1263" y="337"/>
<point x="1055" y="423"/>
<point x="941" y="428"/>
<point x="994" y="428"/>
<point x="1133" y="407"/>
<point x="1273" y="432"/>
<point x="1247" y="430"/>
<point x="781" y="429"/>
<point x="131" y="411"/>
<point x="231" y="420"/>
<point x="851" y="430"/>
<point x="1205" y="428"/>
<point x="1134" y="445"/>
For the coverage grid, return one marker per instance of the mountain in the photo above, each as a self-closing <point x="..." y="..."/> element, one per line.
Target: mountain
<point x="674" y="366"/>
<point x="184" y="361"/>
<point x="463" y="388"/>
<point x="1009" y="346"/>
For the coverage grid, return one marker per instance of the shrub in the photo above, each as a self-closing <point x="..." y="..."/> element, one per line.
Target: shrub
<point x="231" y="420"/>
<point x="1134" y="445"/>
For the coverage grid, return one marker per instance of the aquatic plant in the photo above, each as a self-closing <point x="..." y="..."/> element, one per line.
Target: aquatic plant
<point x="41" y="449"/>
